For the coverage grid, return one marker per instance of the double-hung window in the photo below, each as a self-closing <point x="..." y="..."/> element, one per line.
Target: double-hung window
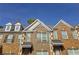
<point x="73" y="51"/>
<point x="28" y="37"/>
<point x="55" y="35"/>
<point x="20" y="37"/>
<point x="9" y="38"/>
<point x="1" y="35"/>
<point x="75" y="36"/>
<point x="39" y="36"/>
<point x="64" y="35"/>
<point x="43" y="36"/>
<point x="8" y="28"/>
<point x="17" y="27"/>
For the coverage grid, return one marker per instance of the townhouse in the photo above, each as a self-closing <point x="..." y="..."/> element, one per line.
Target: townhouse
<point x="39" y="39"/>
<point x="65" y="39"/>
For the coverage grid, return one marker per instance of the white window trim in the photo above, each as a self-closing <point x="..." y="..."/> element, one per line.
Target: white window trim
<point x="16" y="28"/>
<point x="55" y="35"/>
<point x="20" y="39"/>
<point x="9" y="36"/>
<point x="29" y="38"/>
<point x="46" y="35"/>
<point x="7" y="27"/>
<point x="9" y="39"/>
<point x="65" y="33"/>
<point x="42" y="36"/>
<point x="76" y="34"/>
<point x="1" y="36"/>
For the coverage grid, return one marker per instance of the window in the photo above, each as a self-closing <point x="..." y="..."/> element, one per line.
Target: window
<point x="42" y="53"/>
<point x="8" y="28"/>
<point x="17" y="28"/>
<point x="75" y="35"/>
<point x="9" y="38"/>
<point x="28" y="36"/>
<point x="20" y="38"/>
<point x="55" y="35"/>
<point x="1" y="36"/>
<point x="39" y="36"/>
<point x="64" y="35"/>
<point x="43" y="36"/>
<point x="73" y="51"/>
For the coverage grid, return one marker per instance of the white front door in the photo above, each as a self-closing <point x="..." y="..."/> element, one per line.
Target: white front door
<point x="57" y="52"/>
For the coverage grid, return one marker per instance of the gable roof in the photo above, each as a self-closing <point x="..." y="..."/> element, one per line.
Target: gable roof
<point x="35" y="24"/>
<point x="9" y="23"/>
<point x="63" y="23"/>
<point x="18" y="23"/>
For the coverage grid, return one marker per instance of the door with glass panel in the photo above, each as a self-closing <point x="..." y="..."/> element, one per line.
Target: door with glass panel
<point x="57" y="52"/>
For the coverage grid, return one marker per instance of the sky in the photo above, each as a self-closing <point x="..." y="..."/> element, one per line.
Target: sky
<point x="50" y="13"/>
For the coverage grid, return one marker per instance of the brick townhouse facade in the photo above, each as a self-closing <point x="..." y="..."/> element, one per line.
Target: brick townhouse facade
<point x="39" y="39"/>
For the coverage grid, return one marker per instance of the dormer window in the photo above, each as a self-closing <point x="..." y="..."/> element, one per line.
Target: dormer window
<point x="8" y="27"/>
<point x="17" y="26"/>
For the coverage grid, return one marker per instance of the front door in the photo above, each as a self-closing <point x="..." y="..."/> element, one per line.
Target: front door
<point x="0" y="50"/>
<point x="57" y="52"/>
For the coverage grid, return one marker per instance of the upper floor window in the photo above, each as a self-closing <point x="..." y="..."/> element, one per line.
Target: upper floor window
<point x="9" y="38"/>
<point x="43" y="36"/>
<point x="28" y="37"/>
<point x="64" y="35"/>
<point x="75" y="35"/>
<point x="17" y="28"/>
<point x="8" y="27"/>
<point x="1" y="35"/>
<point x="55" y="35"/>
<point x="73" y="51"/>
<point x="39" y="36"/>
<point x="20" y="37"/>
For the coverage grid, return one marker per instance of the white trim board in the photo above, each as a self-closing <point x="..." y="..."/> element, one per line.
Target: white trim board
<point x="9" y="23"/>
<point x="35" y="24"/>
<point x="63" y="23"/>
